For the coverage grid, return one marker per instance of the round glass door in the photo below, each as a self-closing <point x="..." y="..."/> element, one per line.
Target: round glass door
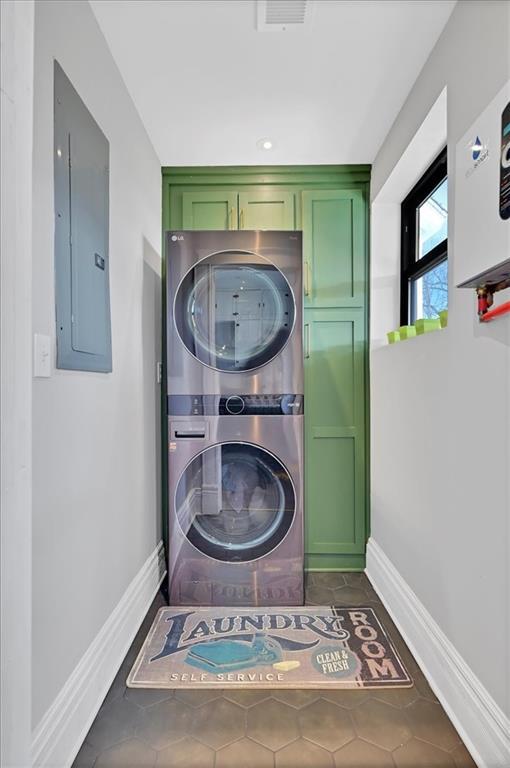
<point x="234" y="311"/>
<point x="235" y="502"/>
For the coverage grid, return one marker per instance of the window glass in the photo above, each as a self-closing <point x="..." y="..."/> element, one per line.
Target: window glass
<point x="431" y="292"/>
<point x="424" y="251"/>
<point x="433" y="220"/>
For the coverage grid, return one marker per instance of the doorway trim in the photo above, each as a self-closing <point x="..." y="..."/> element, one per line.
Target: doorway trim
<point x="17" y="24"/>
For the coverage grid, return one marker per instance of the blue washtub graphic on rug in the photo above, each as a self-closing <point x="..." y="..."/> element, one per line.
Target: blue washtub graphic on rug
<point x="227" y="655"/>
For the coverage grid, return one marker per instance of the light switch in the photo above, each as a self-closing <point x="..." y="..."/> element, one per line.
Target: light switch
<point x="42" y="356"/>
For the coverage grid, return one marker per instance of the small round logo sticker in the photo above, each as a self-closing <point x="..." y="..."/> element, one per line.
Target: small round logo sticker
<point x="174" y="238"/>
<point x="335" y="661"/>
<point x="476" y="148"/>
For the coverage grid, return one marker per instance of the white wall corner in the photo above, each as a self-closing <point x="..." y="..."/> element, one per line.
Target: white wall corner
<point x="481" y="723"/>
<point x="58" y="737"/>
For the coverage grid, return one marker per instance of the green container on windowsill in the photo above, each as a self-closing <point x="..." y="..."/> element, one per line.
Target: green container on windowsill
<point x="407" y="332"/>
<point x="393" y="337"/>
<point x="424" y="325"/>
<point x="443" y="318"/>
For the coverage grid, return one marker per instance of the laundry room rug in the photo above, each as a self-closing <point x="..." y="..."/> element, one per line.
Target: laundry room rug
<point x="312" y="647"/>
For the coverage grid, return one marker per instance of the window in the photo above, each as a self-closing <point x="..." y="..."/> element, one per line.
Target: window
<point x="424" y="242"/>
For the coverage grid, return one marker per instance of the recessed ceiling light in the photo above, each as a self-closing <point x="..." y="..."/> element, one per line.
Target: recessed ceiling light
<point x="265" y="144"/>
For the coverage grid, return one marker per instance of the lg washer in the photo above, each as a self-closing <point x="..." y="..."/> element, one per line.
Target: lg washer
<point x="236" y="500"/>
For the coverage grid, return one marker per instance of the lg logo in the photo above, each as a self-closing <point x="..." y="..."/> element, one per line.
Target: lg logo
<point x="177" y="237"/>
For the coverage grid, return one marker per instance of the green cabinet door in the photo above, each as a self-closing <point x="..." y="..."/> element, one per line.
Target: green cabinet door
<point x="334" y="341"/>
<point x="266" y="209"/>
<point x="209" y="210"/>
<point x="334" y="248"/>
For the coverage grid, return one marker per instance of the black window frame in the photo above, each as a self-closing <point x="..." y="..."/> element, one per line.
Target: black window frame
<point x="412" y="268"/>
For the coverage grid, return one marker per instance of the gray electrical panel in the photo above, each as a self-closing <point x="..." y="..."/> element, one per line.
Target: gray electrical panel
<point x="82" y="288"/>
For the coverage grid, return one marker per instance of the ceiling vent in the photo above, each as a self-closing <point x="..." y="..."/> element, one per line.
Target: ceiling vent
<point x="283" y="15"/>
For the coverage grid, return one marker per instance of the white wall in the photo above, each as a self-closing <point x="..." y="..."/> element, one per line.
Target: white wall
<point x="95" y="436"/>
<point x="17" y="30"/>
<point x="441" y="403"/>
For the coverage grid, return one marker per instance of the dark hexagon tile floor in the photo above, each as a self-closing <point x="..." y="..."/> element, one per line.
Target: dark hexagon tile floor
<point x="402" y="728"/>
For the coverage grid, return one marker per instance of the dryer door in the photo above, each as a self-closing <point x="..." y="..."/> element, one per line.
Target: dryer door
<point x="234" y="311"/>
<point x="235" y="502"/>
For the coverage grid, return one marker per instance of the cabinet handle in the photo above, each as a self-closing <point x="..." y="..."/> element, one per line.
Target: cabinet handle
<point x="241" y="219"/>
<point x="307" y="340"/>
<point x="232" y="218"/>
<point x="307" y="278"/>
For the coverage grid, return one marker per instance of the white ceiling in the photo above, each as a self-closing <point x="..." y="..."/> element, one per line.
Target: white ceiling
<point x="208" y="86"/>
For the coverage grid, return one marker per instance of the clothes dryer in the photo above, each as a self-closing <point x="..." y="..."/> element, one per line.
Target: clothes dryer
<point x="234" y="312"/>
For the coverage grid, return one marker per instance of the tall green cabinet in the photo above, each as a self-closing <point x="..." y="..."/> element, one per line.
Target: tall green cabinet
<point x="330" y="205"/>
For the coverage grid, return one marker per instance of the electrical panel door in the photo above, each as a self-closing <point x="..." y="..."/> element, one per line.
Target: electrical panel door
<point x="81" y="234"/>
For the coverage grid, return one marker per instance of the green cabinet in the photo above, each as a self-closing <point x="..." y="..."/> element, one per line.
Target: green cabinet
<point x="334" y="342"/>
<point x="335" y="338"/>
<point x="263" y="208"/>
<point x="334" y="248"/>
<point x="209" y="210"/>
<point x="330" y="206"/>
<point x="266" y="208"/>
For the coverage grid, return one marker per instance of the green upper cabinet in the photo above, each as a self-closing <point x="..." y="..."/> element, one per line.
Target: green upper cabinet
<point x="334" y="248"/>
<point x="209" y="210"/>
<point x="266" y="209"/>
<point x="263" y="208"/>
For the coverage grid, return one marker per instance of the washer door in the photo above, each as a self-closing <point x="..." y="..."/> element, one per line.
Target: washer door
<point x="235" y="502"/>
<point x="234" y="311"/>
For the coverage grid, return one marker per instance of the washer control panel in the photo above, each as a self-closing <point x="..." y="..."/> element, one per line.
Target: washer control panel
<point x="236" y="405"/>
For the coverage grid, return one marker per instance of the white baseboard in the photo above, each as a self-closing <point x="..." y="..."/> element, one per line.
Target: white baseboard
<point x="481" y="723"/>
<point x="58" y="737"/>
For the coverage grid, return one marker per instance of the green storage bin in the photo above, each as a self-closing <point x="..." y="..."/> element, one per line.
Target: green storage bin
<point x="443" y="318"/>
<point x="407" y="331"/>
<point x="427" y="324"/>
<point x="393" y="336"/>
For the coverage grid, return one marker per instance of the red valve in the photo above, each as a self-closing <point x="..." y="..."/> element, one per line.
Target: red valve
<point x="483" y="304"/>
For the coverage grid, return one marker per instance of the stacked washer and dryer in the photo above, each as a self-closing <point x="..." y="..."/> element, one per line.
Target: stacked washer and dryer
<point x="235" y="418"/>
